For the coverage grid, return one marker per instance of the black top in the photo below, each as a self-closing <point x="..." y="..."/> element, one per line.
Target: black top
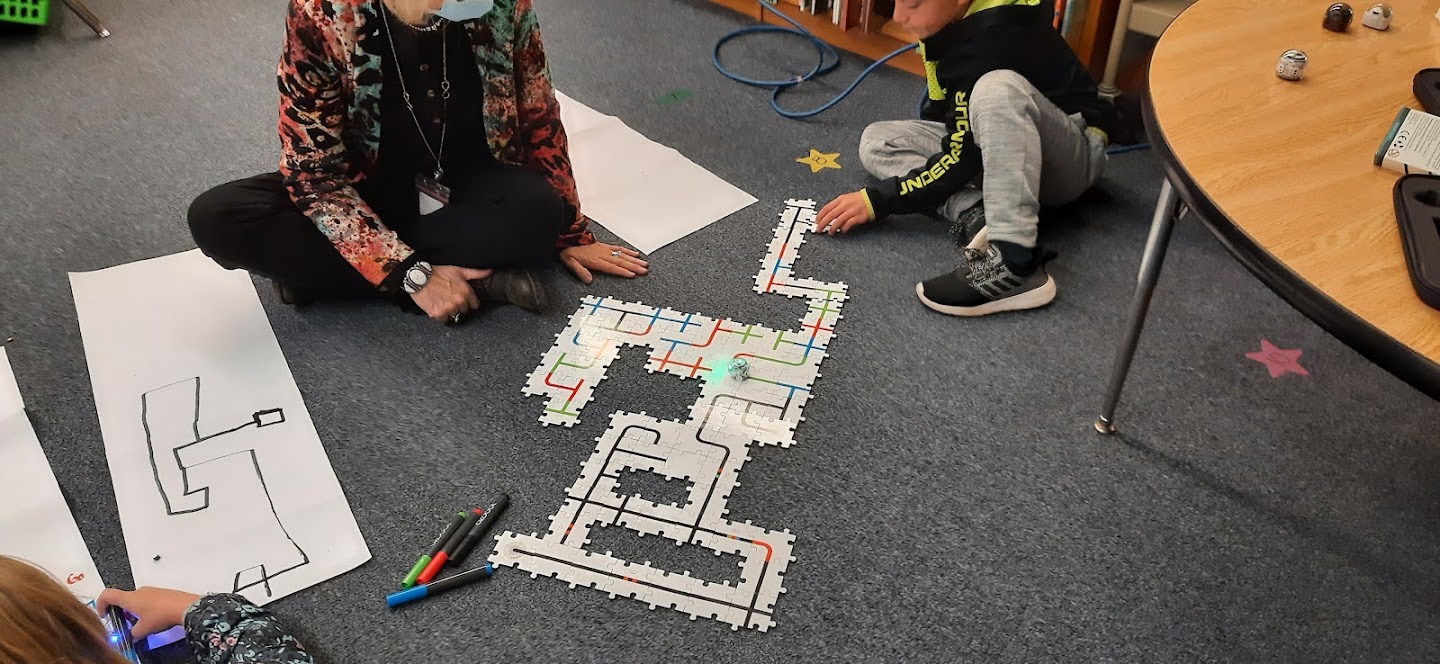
<point x="418" y="57"/>
<point x="1023" y="39"/>
<point x="1019" y="38"/>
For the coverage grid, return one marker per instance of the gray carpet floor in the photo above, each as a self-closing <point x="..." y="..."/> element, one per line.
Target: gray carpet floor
<point x="949" y="499"/>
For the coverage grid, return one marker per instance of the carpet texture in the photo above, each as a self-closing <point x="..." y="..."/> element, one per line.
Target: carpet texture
<point x="949" y="499"/>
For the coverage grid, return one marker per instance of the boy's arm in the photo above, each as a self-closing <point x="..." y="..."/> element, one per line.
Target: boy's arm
<point x="228" y="629"/>
<point x="958" y="161"/>
<point x="944" y="174"/>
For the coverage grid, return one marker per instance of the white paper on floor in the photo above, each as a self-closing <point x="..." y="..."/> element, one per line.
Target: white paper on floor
<point x="647" y="194"/>
<point x="221" y="480"/>
<point x="35" y="523"/>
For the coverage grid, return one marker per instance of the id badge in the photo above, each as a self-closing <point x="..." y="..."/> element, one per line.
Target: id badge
<point x="433" y="195"/>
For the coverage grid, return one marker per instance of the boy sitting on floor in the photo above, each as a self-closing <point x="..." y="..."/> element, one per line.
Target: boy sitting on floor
<point x="1010" y="109"/>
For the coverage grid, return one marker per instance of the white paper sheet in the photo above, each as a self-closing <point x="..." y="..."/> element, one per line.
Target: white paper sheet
<point x="222" y="483"/>
<point x="35" y="523"/>
<point x="644" y="192"/>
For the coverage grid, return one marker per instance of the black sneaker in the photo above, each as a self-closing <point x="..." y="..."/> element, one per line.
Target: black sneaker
<point x="513" y="286"/>
<point x="985" y="284"/>
<point x="966" y="227"/>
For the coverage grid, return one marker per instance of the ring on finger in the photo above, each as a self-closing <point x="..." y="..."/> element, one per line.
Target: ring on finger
<point x="615" y="253"/>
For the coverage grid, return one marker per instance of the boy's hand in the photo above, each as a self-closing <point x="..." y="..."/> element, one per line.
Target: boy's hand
<point x="843" y="213"/>
<point x="157" y="608"/>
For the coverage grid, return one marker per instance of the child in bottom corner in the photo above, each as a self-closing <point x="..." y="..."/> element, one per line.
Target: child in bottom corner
<point x="40" y="621"/>
<point x="1012" y="121"/>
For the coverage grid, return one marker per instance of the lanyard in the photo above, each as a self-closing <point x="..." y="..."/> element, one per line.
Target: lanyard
<point x="435" y="154"/>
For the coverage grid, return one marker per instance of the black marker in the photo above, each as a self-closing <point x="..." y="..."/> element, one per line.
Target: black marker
<point x="448" y="550"/>
<point x="435" y="548"/>
<point x="492" y="513"/>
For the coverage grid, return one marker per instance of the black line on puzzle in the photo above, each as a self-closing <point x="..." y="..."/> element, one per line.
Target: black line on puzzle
<point x="762" y="420"/>
<point x="606" y="572"/>
<point x="710" y="492"/>
<point x="257" y="420"/>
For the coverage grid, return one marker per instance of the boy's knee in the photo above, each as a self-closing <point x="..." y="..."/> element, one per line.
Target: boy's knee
<point x="876" y="145"/>
<point x="1002" y="87"/>
<point x="1001" y="80"/>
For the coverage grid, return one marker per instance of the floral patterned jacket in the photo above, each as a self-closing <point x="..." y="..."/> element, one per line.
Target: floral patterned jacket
<point x="330" y="78"/>
<point x="228" y="629"/>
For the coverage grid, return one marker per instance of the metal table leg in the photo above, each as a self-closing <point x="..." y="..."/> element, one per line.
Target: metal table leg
<point x="86" y="15"/>
<point x="1166" y="212"/>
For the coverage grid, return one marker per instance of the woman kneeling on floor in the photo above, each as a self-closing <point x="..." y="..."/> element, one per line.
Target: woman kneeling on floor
<point x="422" y="157"/>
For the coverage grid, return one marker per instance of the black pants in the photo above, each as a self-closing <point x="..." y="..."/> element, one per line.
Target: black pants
<point x="499" y="217"/>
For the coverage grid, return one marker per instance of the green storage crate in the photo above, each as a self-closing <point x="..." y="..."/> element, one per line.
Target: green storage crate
<point x="30" y="12"/>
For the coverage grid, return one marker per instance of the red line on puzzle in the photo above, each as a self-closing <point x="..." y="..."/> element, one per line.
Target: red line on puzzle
<point x="572" y="390"/>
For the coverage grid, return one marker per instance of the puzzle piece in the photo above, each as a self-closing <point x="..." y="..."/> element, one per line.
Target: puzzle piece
<point x="707" y="450"/>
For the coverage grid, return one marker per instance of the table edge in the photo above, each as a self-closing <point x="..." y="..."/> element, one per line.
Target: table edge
<point x="1377" y="346"/>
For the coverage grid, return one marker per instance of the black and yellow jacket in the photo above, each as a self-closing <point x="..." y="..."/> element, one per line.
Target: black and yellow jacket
<point x="1017" y="35"/>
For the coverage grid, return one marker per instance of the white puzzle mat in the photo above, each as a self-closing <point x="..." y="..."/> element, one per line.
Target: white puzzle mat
<point x="707" y="451"/>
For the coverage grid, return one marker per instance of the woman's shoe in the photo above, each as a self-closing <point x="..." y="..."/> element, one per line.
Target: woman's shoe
<point x="295" y="297"/>
<point x="515" y="286"/>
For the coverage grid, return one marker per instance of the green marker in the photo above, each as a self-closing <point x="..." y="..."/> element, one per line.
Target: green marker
<point x="419" y="567"/>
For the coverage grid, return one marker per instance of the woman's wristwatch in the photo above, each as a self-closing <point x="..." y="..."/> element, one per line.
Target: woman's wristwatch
<point x="416" y="277"/>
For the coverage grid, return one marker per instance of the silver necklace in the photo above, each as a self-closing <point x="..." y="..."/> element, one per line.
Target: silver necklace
<point x="444" y="89"/>
<point x="439" y="21"/>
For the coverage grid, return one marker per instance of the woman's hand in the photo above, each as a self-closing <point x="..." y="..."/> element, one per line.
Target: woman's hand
<point x="157" y="609"/>
<point x="448" y="292"/>
<point x="601" y="257"/>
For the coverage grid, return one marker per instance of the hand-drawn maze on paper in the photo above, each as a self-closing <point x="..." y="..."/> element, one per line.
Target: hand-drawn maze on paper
<point x="707" y="451"/>
<point x="171" y="417"/>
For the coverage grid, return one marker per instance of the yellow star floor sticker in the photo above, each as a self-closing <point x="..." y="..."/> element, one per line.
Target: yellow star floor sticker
<point x="819" y="160"/>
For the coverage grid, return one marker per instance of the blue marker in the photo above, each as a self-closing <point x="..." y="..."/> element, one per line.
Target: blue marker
<point x="440" y="587"/>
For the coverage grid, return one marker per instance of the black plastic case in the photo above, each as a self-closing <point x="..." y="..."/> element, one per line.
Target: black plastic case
<point x="1427" y="90"/>
<point x="1417" y="208"/>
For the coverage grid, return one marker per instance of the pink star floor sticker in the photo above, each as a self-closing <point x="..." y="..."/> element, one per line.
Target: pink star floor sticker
<point x="1278" y="360"/>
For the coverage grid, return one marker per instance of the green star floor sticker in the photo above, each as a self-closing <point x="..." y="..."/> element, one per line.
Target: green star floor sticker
<point x="676" y="96"/>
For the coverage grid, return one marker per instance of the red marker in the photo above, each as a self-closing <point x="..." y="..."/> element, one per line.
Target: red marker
<point x="450" y="545"/>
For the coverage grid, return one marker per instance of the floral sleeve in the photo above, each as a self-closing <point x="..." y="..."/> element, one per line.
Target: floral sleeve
<point x="313" y="154"/>
<point x="228" y="629"/>
<point x="546" y="146"/>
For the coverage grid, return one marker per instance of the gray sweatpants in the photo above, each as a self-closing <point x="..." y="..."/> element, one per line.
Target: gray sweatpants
<point x="1032" y="152"/>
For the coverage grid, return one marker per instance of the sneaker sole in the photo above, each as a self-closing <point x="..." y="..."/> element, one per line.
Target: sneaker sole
<point x="1032" y="299"/>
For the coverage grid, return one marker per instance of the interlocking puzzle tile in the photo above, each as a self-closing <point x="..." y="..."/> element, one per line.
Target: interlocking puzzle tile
<point x="708" y="449"/>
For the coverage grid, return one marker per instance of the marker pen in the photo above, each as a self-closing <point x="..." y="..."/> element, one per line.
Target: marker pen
<point x="433" y="567"/>
<point x="492" y="513"/>
<point x="435" y="548"/>
<point x="439" y="587"/>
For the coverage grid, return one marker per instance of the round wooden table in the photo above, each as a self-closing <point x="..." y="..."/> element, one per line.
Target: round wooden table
<point x="1283" y="172"/>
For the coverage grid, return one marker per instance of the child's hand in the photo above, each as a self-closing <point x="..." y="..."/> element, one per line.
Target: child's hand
<point x="158" y="609"/>
<point x="843" y="213"/>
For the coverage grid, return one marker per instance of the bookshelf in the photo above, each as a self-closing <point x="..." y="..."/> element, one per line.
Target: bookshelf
<point x="882" y="39"/>
<point x="1094" y="21"/>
